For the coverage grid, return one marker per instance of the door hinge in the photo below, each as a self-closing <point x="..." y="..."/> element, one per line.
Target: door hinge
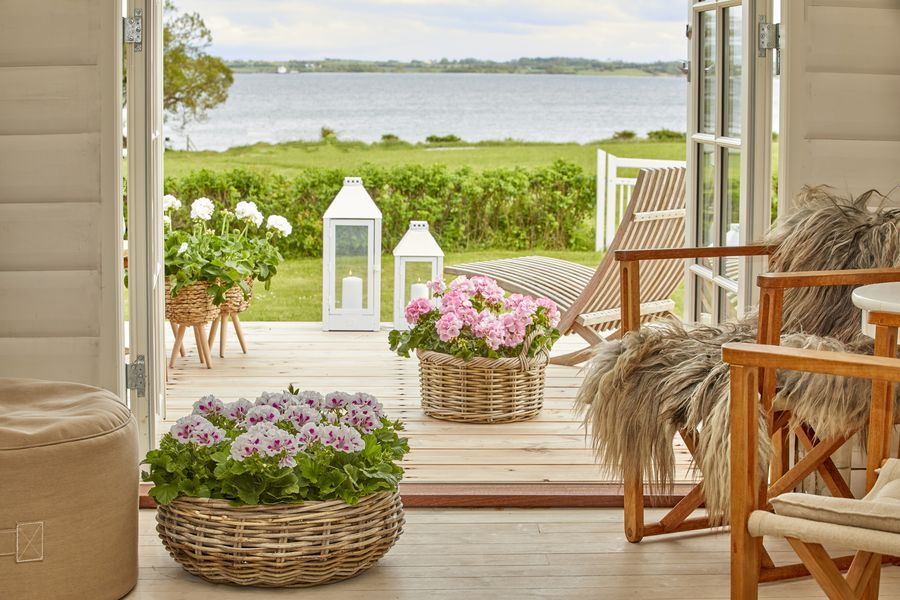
<point x="136" y="376"/>
<point x="769" y="38"/>
<point x="685" y="68"/>
<point x="133" y="30"/>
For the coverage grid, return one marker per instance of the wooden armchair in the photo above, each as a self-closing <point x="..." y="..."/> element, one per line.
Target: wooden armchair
<point x="783" y="478"/>
<point x="752" y="365"/>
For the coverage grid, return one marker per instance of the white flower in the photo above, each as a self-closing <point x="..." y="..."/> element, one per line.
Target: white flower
<point x="182" y="248"/>
<point x="247" y="211"/>
<point x="170" y="202"/>
<point x="202" y="208"/>
<point x="280" y="224"/>
<point x="167" y="220"/>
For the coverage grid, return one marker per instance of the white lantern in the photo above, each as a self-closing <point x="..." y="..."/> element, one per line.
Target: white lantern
<point x="417" y="260"/>
<point x="351" y="261"/>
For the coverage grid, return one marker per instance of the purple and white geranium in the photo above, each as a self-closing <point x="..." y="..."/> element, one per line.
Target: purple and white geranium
<point x="473" y="316"/>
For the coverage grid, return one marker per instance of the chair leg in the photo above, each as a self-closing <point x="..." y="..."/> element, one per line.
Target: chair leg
<point x="179" y="342"/>
<point x="236" y="321"/>
<point x="634" y="505"/>
<point x="745" y="487"/>
<point x="822" y="568"/>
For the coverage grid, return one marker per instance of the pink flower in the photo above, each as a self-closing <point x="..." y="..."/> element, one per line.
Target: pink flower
<point x="490" y="329"/>
<point x="301" y="415"/>
<point x="463" y="285"/>
<point x="448" y="327"/>
<point x="514" y="329"/>
<point x="551" y="309"/>
<point x="209" y="405"/>
<point x="416" y="308"/>
<point x="488" y="289"/>
<point x="454" y="300"/>
<point x="237" y="410"/>
<point x="263" y="414"/>
<point x="437" y="286"/>
<point x="185" y="426"/>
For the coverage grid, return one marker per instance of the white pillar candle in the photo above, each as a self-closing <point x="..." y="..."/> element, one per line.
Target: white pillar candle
<point x="351" y="293"/>
<point x="418" y="290"/>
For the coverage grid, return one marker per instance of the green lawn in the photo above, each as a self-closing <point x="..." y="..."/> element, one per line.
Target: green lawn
<point x="290" y="157"/>
<point x="296" y="292"/>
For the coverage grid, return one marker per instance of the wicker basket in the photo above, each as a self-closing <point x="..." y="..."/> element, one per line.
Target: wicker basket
<point x="191" y="306"/>
<point x="482" y="390"/>
<point x="279" y="545"/>
<point x="235" y="301"/>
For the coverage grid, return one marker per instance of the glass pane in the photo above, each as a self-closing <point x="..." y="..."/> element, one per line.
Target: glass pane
<point x="732" y="108"/>
<point x="706" y="236"/>
<point x="705" y="304"/>
<point x="731" y="216"/>
<point x="417" y="275"/>
<point x="708" y="71"/>
<point x="729" y="306"/>
<point x="351" y="260"/>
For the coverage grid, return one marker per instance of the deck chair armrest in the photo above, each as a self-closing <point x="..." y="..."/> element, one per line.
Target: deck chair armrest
<point x="827" y="278"/>
<point x="844" y="364"/>
<point x="709" y="252"/>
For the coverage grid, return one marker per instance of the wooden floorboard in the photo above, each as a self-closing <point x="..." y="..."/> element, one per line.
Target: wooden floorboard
<point x="551" y="449"/>
<point x="500" y="554"/>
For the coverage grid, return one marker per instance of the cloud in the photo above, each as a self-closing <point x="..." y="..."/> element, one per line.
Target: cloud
<point x="642" y="30"/>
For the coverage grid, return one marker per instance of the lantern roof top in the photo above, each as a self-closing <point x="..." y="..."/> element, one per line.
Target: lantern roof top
<point x="418" y="241"/>
<point x="352" y="202"/>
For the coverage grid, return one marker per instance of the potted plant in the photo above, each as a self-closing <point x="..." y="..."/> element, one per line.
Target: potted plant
<point x="482" y="354"/>
<point x="294" y="489"/>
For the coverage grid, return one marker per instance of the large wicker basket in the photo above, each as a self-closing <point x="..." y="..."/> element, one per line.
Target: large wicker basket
<point x="191" y="306"/>
<point x="482" y="390"/>
<point x="235" y="301"/>
<point x="279" y="545"/>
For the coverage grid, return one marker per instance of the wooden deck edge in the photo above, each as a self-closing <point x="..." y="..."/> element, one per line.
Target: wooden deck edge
<point x="510" y="495"/>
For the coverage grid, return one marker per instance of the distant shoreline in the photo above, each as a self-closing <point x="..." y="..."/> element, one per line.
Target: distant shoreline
<point x="522" y="66"/>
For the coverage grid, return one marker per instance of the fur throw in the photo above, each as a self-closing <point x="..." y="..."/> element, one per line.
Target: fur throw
<point x="640" y="391"/>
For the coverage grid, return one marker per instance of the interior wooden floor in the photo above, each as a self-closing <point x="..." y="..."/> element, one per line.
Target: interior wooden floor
<point x="549" y="449"/>
<point x="515" y="554"/>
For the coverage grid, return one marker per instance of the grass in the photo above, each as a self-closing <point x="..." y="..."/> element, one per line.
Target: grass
<point x="290" y="157"/>
<point x="296" y="292"/>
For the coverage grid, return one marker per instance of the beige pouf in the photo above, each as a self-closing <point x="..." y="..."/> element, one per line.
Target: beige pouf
<point x="68" y="492"/>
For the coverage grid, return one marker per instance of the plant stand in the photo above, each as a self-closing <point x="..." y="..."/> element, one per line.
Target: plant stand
<point x="193" y="308"/>
<point x="234" y="304"/>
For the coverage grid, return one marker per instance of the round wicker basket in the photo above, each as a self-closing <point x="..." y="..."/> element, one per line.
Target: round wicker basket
<point x="191" y="306"/>
<point x="482" y="390"/>
<point x="235" y="301"/>
<point x="279" y="545"/>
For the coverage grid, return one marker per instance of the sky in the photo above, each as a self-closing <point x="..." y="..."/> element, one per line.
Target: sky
<point x="631" y="30"/>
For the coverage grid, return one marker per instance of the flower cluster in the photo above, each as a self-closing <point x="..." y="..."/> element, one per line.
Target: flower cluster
<point x="472" y="316"/>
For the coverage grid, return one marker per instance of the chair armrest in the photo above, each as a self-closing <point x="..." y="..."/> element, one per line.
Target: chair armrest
<point x="710" y="252"/>
<point x="827" y="278"/>
<point x="812" y="361"/>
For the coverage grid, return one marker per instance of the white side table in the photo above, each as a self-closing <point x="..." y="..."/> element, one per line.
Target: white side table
<point x="880" y="304"/>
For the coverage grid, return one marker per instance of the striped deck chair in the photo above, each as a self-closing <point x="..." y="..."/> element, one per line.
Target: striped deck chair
<point x="589" y="298"/>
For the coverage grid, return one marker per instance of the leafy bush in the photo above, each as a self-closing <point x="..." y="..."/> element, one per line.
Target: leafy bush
<point x="443" y="139"/>
<point x="666" y="135"/>
<point x="286" y="447"/>
<point x="548" y="208"/>
<point x="327" y="134"/>
<point x="390" y="137"/>
<point x="625" y="134"/>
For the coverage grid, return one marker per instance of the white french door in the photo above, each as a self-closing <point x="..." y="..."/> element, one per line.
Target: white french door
<point x="729" y="137"/>
<point x="146" y="271"/>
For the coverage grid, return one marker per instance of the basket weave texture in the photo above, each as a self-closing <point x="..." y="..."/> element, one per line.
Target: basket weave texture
<point x="192" y="305"/>
<point x="482" y="390"/>
<point x="235" y="301"/>
<point x="279" y="545"/>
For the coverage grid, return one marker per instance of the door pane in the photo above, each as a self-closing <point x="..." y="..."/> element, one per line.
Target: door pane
<point x="731" y="207"/>
<point x="729" y="306"/>
<point x="732" y="100"/>
<point x="707" y="231"/>
<point x="351" y="258"/>
<point x="708" y="72"/>
<point x="705" y="301"/>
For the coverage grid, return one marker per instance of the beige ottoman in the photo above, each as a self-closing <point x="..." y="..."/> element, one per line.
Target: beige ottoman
<point x="68" y="492"/>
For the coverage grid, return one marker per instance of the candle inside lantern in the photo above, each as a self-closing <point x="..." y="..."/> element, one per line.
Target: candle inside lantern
<point x="351" y="292"/>
<point x="418" y="290"/>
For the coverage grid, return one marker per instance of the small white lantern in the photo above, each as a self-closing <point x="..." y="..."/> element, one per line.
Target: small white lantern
<point x="417" y="260"/>
<point x="351" y="261"/>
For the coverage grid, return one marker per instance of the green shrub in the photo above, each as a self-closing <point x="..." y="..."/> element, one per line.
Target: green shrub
<point x="389" y="138"/>
<point x="666" y="135"/>
<point x="548" y="208"/>
<point x="625" y="134"/>
<point x="327" y="134"/>
<point x="443" y="139"/>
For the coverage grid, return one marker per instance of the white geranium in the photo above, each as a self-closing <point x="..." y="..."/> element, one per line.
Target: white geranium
<point x="182" y="248"/>
<point x="279" y="224"/>
<point x="167" y="220"/>
<point x="202" y="208"/>
<point x="170" y="202"/>
<point x="247" y="211"/>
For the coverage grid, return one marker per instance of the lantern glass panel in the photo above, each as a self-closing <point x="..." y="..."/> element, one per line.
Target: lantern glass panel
<point x="417" y="273"/>
<point x="352" y="264"/>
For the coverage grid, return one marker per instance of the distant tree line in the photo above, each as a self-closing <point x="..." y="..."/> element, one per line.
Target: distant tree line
<point x="553" y="65"/>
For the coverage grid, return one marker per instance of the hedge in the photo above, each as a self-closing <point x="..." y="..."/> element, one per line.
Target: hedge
<point x="544" y="208"/>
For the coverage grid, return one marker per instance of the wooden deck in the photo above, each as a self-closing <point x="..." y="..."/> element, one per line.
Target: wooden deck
<point x="550" y="449"/>
<point x="510" y="554"/>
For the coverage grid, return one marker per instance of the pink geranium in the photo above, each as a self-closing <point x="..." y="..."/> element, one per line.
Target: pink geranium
<point x="448" y="327"/>
<point x="416" y="308"/>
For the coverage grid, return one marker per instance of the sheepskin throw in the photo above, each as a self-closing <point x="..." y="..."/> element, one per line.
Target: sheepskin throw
<point x="640" y="390"/>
